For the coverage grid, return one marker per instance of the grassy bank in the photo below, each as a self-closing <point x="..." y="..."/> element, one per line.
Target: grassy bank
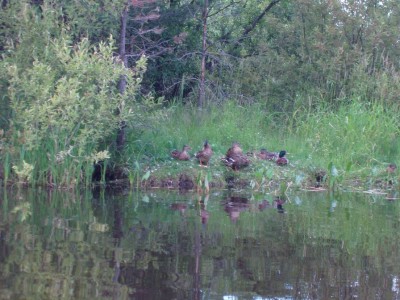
<point x="352" y="146"/>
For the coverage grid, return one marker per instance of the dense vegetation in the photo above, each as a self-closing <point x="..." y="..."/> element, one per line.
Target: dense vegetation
<point x="125" y="82"/>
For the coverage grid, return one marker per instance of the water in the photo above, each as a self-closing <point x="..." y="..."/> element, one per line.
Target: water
<point x="166" y="245"/>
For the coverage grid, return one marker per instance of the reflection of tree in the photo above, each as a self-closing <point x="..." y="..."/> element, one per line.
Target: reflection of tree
<point x="117" y="234"/>
<point x="197" y="268"/>
<point x="51" y="254"/>
<point x="144" y="250"/>
<point x="204" y="214"/>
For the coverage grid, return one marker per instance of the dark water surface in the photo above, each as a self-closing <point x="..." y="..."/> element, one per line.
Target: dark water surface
<point x="166" y="245"/>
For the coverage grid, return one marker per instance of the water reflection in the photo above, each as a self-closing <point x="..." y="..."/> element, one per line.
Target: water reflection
<point x="204" y="214"/>
<point x="234" y="205"/>
<point x="225" y="245"/>
<point x="181" y="207"/>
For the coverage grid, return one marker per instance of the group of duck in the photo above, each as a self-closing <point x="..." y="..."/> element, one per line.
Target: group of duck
<point x="234" y="157"/>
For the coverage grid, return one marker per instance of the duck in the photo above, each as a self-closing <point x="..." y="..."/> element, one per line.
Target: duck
<point x="267" y="155"/>
<point x="235" y="158"/>
<point x="204" y="155"/>
<point x="236" y="161"/>
<point x="181" y="207"/>
<point x="282" y="160"/>
<point x="234" y="150"/>
<point x="391" y="168"/>
<point x="278" y="204"/>
<point x="181" y="155"/>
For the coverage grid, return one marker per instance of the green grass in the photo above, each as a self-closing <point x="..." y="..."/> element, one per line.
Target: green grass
<point x="361" y="134"/>
<point x="358" y="136"/>
<point x="356" y="141"/>
<point x="251" y="126"/>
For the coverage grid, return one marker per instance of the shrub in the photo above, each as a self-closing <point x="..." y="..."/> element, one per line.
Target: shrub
<point x="68" y="104"/>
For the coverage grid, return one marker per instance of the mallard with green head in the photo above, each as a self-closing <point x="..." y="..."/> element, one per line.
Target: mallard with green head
<point x="181" y="155"/>
<point x="282" y="160"/>
<point x="204" y="155"/>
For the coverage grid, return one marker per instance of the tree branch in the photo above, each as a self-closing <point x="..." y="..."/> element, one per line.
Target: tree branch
<point x="253" y="25"/>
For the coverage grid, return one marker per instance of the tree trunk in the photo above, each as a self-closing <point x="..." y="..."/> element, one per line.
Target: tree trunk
<point x="202" y="91"/>
<point x="122" y="82"/>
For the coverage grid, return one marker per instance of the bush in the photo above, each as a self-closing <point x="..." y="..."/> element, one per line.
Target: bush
<point x="67" y="104"/>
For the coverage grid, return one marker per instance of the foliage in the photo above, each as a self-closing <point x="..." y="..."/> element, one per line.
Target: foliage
<point x="68" y="103"/>
<point x="95" y="20"/>
<point x="24" y="173"/>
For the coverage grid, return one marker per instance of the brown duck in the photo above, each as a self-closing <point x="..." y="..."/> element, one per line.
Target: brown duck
<point x="391" y="168"/>
<point x="234" y="150"/>
<point x="266" y="155"/>
<point x="235" y="158"/>
<point x="204" y="155"/>
<point x="181" y="155"/>
<point x="237" y="161"/>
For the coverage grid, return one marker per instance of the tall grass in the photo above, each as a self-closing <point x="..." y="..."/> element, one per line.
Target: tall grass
<point x="253" y="127"/>
<point x="360" y="134"/>
<point x="60" y="169"/>
<point x="356" y="134"/>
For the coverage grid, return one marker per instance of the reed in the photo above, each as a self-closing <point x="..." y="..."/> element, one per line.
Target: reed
<point x="54" y="167"/>
<point x="359" y="134"/>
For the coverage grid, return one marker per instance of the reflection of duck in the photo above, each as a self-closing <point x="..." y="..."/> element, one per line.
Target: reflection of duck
<point x="233" y="212"/>
<point x="181" y="207"/>
<point x="204" y="215"/>
<point x="263" y="205"/>
<point x="204" y="155"/>
<point x="237" y="200"/>
<point x="282" y="160"/>
<point x="181" y="155"/>
<point x="235" y="205"/>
